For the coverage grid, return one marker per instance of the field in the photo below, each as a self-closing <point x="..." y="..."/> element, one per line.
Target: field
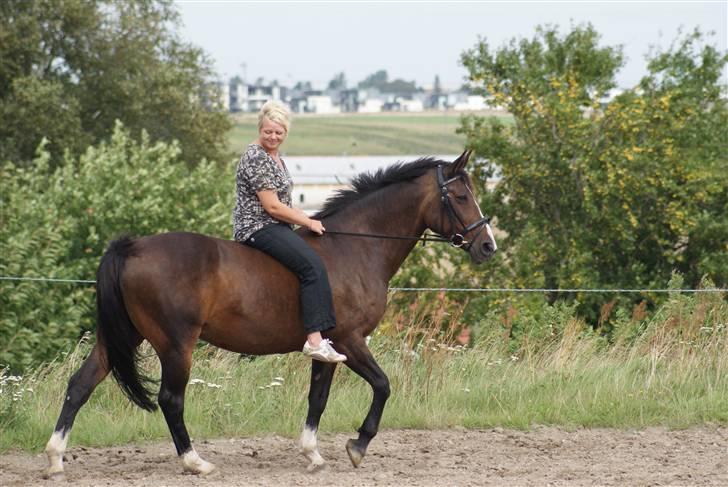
<point x="363" y="134"/>
<point x="649" y="408"/>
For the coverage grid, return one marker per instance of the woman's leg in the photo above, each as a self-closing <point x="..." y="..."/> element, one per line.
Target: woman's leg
<point x="288" y="248"/>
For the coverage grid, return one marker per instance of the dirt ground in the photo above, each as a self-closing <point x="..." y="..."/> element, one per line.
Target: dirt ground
<point x="544" y="456"/>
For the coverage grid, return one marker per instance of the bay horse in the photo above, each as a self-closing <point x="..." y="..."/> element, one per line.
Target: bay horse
<point x="173" y="289"/>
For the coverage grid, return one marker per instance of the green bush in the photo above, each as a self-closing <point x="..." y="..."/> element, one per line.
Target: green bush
<point x="56" y="223"/>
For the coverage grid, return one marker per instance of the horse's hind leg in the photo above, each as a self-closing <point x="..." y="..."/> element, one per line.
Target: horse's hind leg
<point x="80" y="387"/>
<point x="176" y="365"/>
<point x="361" y="361"/>
<point x="321" y="376"/>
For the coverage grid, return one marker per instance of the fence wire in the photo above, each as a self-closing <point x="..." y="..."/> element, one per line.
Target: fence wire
<point x="443" y="289"/>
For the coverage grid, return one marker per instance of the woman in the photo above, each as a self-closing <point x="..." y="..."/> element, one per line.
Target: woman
<point x="262" y="219"/>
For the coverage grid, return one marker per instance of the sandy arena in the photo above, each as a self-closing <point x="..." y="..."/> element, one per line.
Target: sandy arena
<point x="544" y="456"/>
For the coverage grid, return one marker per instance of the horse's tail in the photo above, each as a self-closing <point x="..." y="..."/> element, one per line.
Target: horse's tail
<point x="115" y="328"/>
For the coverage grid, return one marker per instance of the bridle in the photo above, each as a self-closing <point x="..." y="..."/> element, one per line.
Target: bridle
<point x="457" y="239"/>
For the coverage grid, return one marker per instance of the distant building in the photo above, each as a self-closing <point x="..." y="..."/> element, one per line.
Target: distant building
<point x="240" y="96"/>
<point x="471" y="102"/>
<point x="259" y="94"/>
<point x="316" y="178"/>
<point x="244" y="97"/>
<point x="349" y="100"/>
<point x="321" y="104"/>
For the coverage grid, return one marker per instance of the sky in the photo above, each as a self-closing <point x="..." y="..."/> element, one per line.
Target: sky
<point x="313" y="41"/>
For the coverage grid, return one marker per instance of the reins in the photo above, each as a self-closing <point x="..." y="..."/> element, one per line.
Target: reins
<point x="424" y="238"/>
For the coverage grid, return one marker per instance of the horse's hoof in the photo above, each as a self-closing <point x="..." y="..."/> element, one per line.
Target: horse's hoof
<point x="202" y="470"/>
<point x="315" y="467"/>
<point x="356" y="455"/>
<point x="54" y="475"/>
<point x="206" y="468"/>
<point x="193" y="464"/>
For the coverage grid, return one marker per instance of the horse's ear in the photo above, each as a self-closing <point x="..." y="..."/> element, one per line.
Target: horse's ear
<point x="460" y="163"/>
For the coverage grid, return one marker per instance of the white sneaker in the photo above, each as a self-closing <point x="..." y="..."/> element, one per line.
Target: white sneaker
<point x="324" y="352"/>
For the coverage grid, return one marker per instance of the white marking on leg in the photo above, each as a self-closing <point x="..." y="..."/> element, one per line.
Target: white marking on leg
<point x="492" y="238"/>
<point x="191" y="462"/>
<point x="55" y="448"/>
<point x="309" y="448"/>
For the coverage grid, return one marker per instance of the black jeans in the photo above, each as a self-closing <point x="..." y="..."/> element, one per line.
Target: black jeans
<point x="284" y="245"/>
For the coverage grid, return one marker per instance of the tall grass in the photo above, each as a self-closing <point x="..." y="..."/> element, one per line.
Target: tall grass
<point x="667" y="369"/>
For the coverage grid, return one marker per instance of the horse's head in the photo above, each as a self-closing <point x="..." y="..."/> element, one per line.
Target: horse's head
<point x="455" y="213"/>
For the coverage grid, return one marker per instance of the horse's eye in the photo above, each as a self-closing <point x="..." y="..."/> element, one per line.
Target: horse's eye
<point x="461" y="197"/>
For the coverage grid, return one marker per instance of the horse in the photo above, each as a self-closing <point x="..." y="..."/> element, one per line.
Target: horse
<point x="173" y="289"/>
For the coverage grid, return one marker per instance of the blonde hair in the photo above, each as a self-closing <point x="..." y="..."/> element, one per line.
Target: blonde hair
<point x="275" y="111"/>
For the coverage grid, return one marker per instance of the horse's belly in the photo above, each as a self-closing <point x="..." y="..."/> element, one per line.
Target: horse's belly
<point x="259" y="336"/>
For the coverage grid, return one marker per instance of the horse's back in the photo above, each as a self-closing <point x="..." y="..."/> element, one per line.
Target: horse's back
<point x="226" y="293"/>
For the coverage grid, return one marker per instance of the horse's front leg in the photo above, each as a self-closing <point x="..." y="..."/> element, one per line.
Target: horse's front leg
<point x="361" y="361"/>
<point x="321" y="376"/>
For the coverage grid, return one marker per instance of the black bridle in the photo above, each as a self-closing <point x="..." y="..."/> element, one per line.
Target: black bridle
<point x="456" y="239"/>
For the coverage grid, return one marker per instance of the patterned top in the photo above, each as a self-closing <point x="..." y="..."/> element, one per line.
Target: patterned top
<point x="257" y="171"/>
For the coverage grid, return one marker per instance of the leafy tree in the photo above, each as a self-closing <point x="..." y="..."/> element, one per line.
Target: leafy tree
<point x="380" y="81"/>
<point x="598" y="192"/>
<point x="303" y="86"/>
<point x="71" y="68"/>
<point x="338" y="82"/>
<point x="437" y="87"/>
<point x="375" y="80"/>
<point x="56" y="223"/>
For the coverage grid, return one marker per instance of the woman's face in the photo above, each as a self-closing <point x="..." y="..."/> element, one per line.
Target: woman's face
<point x="271" y="135"/>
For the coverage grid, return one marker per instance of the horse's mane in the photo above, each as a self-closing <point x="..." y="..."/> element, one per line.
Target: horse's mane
<point x="367" y="183"/>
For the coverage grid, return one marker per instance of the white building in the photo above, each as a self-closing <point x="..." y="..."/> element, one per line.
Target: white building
<point x="411" y="105"/>
<point x="371" y="105"/>
<point x="316" y="178"/>
<point x="243" y="97"/>
<point x="462" y="102"/>
<point x="321" y="104"/>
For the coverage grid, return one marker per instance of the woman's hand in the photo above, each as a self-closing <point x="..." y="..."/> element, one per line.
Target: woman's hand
<point x="316" y="227"/>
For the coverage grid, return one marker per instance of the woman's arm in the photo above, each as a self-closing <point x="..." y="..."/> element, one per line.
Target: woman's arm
<point x="279" y="211"/>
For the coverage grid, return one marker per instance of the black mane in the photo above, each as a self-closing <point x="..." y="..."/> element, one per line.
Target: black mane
<point x="367" y="183"/>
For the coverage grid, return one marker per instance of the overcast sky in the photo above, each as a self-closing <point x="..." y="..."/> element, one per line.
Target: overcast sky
<point x="313" y="41"/>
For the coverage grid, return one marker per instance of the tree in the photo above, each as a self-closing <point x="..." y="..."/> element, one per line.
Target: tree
<point x="599" y="193"/>
<point x="56" y="223"/>
<point x="338" y="82"/>
<point x="375" y="80"/>
<point x="303" y="86"/>
<point x="380" y="81"/>
<point x="70" y="69"/>
<point x="437" y="87"/>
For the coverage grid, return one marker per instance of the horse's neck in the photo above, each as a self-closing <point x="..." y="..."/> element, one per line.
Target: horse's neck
<point x="396" y="213"/>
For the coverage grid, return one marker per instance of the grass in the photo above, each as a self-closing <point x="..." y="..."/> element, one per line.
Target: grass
<point x="362" y="134"/>
<point x="674" y="373"/>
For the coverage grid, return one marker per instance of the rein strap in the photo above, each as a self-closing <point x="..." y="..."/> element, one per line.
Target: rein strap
<point x="424" y="238"/>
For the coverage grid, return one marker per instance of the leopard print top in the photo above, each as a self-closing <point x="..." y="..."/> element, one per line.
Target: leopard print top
<point x="257" y="171"/>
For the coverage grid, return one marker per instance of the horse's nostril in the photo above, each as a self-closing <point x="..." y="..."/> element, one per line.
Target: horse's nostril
<point x="488" y="248"/>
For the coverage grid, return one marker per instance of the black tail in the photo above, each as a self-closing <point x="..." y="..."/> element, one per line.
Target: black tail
<point x="115" y="329"/>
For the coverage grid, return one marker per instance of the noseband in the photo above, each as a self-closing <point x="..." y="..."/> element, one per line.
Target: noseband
<point x="457" y="239"/>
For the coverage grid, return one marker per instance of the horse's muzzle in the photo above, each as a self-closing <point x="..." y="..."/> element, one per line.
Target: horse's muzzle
<point x="482" y="252"/>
